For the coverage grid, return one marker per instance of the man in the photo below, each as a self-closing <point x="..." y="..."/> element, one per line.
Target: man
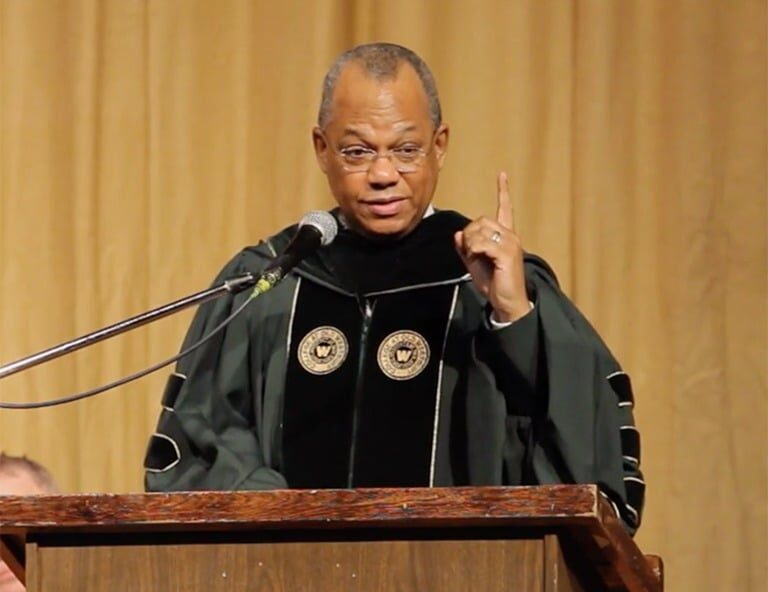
<point x="418" y="349"/>
<point x="20" y="476"/>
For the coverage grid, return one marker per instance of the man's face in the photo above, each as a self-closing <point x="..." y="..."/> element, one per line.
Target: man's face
<point x="381" y="115"/>
<point x="15" y="483"/>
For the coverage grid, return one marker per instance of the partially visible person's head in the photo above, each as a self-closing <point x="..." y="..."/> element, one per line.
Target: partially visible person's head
<point x="21" y="476"/>
<point x="380" y="138"/>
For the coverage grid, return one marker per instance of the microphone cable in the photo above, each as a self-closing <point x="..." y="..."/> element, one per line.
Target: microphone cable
<point x="136" y="375"/>
<point x="316" y="228"/>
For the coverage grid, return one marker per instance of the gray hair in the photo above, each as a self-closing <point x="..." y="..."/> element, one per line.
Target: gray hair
<point x="15" y="465"/>
<point x="382" y="61"/>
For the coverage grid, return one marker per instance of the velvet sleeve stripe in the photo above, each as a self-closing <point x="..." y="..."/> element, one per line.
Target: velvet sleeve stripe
<point x="172" y="389"/>
<point x="630" y="443"/>
<point x="613" y="503"/>
<point x="626" y="512"/>
<point x="163" y="452"/>
<point x="634" y="516"/>
<point x="635" y="493"/>
<point x="622" y="386"/>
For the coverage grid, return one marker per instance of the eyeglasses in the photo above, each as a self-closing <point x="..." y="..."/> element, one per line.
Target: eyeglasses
<point x="405" y="159"/>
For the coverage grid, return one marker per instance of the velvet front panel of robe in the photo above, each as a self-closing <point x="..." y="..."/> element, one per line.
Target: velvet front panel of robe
<point x="370" y="421"/>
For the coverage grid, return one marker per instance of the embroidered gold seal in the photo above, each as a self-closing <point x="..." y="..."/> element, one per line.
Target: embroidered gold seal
<point x="403" y="355"/>
<point x="323" y="350"/>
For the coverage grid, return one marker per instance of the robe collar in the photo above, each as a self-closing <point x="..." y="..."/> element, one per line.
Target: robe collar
<point x="358" y="266"/>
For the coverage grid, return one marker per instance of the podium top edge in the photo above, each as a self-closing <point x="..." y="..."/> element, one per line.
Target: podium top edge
<point x="281" y="508"/>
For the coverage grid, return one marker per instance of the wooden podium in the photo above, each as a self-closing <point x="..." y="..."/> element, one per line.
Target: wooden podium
<point x="549" y="538"/>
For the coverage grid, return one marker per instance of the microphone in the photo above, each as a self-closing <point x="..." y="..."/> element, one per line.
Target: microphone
<point x="316" y="229"/>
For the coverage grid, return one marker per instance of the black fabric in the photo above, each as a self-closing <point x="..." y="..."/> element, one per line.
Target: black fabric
<point x="172" y="389"/>
<point x="162" y="451"/>
<point x="386" y="423"/>
<point x="359" y="265"/>
<point x="160" y="454"/>
<point x="396" y="417"/>
<point x="630" y="443"/>
<point x="322" y="411"/>
<point x="514" y="379"/>
<point x="635" y="493"/>
<point x="317" y="420"/>
<point x="622" y="386"/>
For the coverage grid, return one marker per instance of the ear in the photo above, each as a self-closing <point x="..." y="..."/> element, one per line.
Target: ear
<point x="441" y="144"/>
<point x="322" y="150"/>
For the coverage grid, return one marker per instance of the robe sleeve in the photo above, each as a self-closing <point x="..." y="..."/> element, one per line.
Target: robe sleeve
<point x="205" y="438"/>
<point x="552" y="405"/>
<point x="585" y="432"/>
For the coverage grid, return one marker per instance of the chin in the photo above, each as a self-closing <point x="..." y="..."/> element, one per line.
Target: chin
<point x="388" y="227"/>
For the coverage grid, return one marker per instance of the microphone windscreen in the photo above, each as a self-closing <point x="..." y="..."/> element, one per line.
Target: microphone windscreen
<point x="325" y="224"/>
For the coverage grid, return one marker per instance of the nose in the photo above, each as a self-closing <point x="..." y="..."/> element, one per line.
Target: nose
<point x="382" y="173"/>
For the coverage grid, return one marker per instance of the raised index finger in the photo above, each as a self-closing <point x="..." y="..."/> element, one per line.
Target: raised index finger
<point x="504" y="214"/>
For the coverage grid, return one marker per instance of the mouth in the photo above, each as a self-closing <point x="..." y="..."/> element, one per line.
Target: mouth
<point x="384" y="206"/>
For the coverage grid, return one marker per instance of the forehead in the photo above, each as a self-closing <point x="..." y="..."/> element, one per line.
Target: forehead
<point x="363" y="102"/>
<point x="18" y="483"/>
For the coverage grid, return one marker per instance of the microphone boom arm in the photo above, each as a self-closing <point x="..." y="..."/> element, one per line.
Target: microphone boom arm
<point x="232" y="286"/>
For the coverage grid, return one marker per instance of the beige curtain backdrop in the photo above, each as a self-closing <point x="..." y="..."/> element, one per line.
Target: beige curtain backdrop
<point x="143" y="142"/>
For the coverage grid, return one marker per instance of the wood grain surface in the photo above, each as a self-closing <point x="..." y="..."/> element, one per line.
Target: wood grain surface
<point x="577" y="512"/>
<point x="384" y="566"/>
<point x="296" y="507"/>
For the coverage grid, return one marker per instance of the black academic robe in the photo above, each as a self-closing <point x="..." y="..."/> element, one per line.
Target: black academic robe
<point x="373" y="364"/>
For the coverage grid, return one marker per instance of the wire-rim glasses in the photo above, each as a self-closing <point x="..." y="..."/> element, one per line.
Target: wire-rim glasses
<point x="407" y="158"/>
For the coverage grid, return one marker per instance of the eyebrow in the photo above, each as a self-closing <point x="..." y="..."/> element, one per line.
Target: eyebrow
<point x="351" y="131"/>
